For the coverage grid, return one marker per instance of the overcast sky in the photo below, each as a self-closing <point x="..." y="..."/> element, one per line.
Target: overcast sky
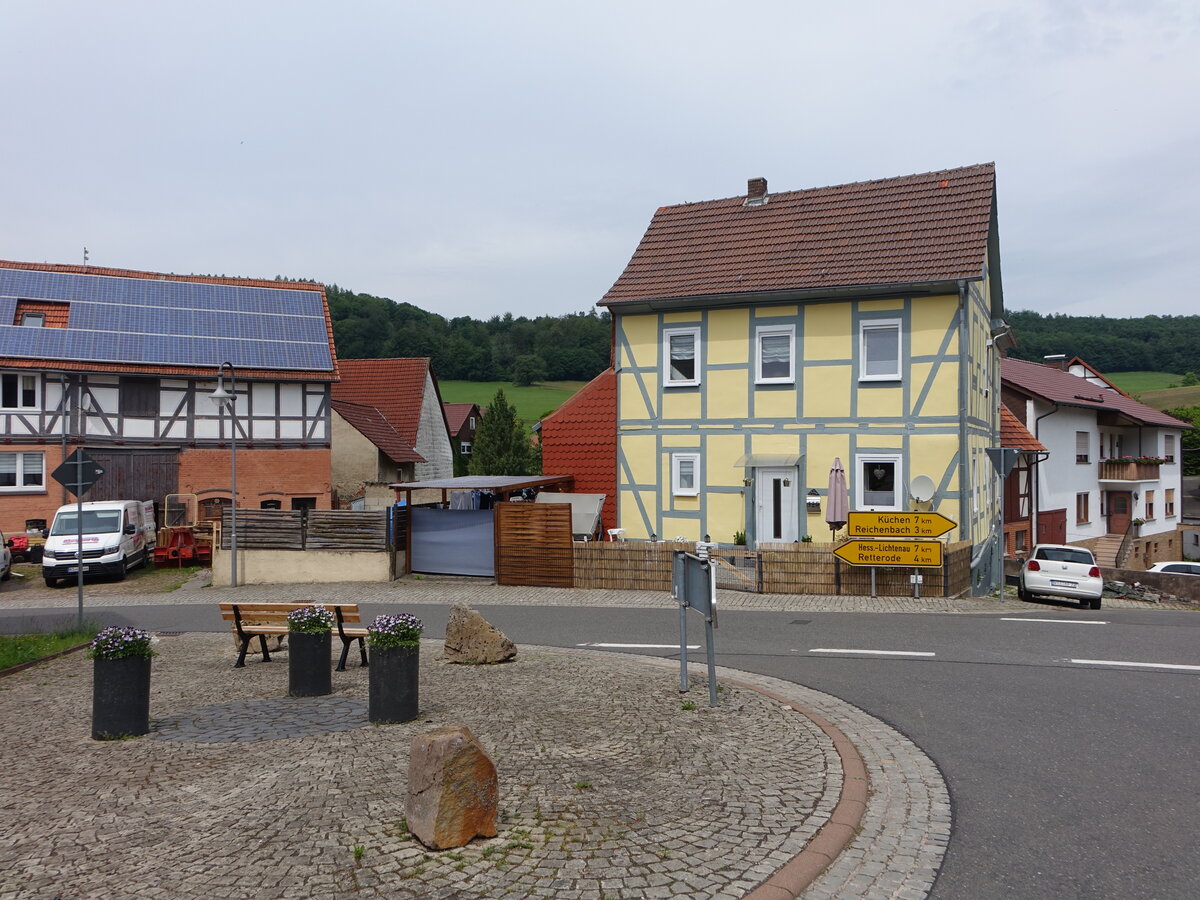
<point x="477" y="158"/>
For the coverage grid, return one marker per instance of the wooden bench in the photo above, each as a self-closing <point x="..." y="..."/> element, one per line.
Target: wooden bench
<point x="251" y="620"/>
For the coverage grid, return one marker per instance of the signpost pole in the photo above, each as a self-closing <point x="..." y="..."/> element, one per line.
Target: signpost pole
<point x="681" y="596"/>
<point x="79" y="532"/>
<point x="710" y="622"/>
<point x="874" y="593"/>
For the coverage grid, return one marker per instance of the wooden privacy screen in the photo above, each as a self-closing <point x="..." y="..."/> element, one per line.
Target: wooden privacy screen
<point x="312" y="529"/>
<point x="533" y="544"/>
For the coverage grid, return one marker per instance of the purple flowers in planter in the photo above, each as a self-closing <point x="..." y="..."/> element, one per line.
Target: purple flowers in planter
<point x="315" y="619"/>
<point x="403" y="629"/>
<point x="120" y="641"/>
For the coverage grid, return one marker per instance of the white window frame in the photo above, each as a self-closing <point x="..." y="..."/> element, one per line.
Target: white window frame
<point x="18" y="375"/>
<point x="677" y="488"/>
<point x="768" y="331"/>
<point x="867" y="325"/>
<point x="860" y="482"/>
<point x="1169" y="448"/>
<point x="1083" y="441"/>
<point x="464" y="448"/>
<point x="694" y="331"/>
<point x="20" y="487"/>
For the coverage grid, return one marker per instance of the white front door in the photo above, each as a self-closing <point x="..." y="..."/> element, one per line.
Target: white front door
<point x="775" y="492"/>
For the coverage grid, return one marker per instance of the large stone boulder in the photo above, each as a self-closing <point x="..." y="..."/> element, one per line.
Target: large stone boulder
<point x="452" y="788"/>
<point x="470" y="638"/>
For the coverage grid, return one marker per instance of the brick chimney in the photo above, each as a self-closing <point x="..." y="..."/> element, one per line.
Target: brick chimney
<point x="756" y="192"/>
<point x="1056" y="361"/>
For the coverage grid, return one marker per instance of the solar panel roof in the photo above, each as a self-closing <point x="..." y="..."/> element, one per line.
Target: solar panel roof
<point x="178" y="323"/>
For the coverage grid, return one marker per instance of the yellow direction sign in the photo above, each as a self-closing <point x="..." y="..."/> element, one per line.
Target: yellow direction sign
<point x="898" y="524"/>
<point x="919" y="554"/>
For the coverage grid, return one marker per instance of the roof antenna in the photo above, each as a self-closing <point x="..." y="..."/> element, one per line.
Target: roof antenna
<point x="85" y="256"/>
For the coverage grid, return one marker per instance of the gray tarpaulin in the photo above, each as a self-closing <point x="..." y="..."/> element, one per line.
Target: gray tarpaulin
<point x="452" y="542"/>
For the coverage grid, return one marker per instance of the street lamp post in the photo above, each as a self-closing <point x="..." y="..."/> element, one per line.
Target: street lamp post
<point x="228" y="399"/>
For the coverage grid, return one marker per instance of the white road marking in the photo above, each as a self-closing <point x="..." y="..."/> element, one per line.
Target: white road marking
<point x="1057" y="621"/>
<point x="873" y="652"/>
<point x="1140" y="665"/>
<point x="640" y="646"/>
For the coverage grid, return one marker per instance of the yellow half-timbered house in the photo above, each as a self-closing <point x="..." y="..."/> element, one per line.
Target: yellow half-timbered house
<point x="758" y="338"/>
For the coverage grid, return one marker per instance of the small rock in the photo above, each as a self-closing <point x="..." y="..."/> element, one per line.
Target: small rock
<point x="452" y="788"/>
<point x="470" y="638"/>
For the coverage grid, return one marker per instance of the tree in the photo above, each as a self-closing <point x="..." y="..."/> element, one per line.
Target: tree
<point x="501" y="444"/>
<point x="1189" y="449"/>
<point x="528" y="369"/>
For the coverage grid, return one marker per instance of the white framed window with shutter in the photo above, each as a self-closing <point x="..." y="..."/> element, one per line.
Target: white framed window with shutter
<point x="685" y="474"/>
<point x="776" y="354"/>
<point x="879" y="350"/>
<point x="1169" y="447"/>
<point x="1082" y="444"/>
<point x="681" y="357"/>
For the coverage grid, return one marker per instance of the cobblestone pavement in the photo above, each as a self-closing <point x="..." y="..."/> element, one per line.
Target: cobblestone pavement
<point x="484" y="591"/>
<point x="610" y="787"/>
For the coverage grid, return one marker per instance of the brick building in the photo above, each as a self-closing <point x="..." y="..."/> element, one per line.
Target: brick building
<point x="122" y="363"/>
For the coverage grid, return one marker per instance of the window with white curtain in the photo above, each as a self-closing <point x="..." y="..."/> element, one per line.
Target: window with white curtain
<point x="22" y="471"/>
<point x="776" y="354"/>
<point x="681" y="357"/>
<point x="685" y="474"/>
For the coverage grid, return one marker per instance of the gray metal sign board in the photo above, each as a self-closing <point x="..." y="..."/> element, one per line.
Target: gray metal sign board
<point x="77" y="473"/>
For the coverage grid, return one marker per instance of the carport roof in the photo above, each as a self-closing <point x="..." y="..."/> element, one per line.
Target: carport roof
<point x="501" y="483"/>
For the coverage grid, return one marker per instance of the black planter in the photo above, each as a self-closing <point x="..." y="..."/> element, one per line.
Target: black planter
<point x="309" y="663"/>
<point x="392" y="677"/>
<point x="120" y="697"/>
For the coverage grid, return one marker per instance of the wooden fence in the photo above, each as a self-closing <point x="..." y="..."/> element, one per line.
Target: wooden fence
<point x="307" y="529"/>
<point x="773" y="569"/>
<point x="533" y="544"/>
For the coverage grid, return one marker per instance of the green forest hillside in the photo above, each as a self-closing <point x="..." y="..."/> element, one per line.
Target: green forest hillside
<point x="1148" y="343"/>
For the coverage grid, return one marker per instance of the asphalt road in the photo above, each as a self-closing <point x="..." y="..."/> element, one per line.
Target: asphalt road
<point x="1067" y="779"/>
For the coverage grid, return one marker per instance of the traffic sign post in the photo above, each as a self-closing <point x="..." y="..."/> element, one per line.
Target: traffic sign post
<point x="915" y="554"/>
<point x="898" y="525"/>
<point x="77" y="473"/>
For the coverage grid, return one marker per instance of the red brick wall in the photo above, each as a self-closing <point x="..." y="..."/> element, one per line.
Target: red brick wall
<point x="261" y="475"/>
<point x="16" y="508"/>
<point x="290" y="473"/>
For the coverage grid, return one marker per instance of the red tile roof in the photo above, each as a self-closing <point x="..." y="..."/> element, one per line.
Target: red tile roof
<point x="908" y="230"/>
<point x="371" y="423"/>
<point x="249" y="374"/>
<point x="457" y="415"/>
<point x="1015" y="435"/>
<point x="580" y="439"/>
<point x="395" y="387"/>
<point x="1064" y="389"/>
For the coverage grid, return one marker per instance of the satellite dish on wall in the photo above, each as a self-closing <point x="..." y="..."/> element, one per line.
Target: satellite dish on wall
<point x="921" y="488"/>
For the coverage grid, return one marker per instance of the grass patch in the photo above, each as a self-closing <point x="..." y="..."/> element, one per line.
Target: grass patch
<point x="1137" y="382"/>
<point x="19" y="648"/>
<point x="530" y="402"/>
<point x="1170" y="399"/>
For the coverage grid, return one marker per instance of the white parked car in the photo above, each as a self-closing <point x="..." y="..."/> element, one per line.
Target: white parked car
<point x="1176" y="568"/>
<point x="1061" y="570"/>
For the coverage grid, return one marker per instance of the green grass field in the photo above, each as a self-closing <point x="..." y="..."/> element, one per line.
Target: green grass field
<point x="1172" y="398"/>
<point x="1138" y="382"/>
<point x="531" y="402"/>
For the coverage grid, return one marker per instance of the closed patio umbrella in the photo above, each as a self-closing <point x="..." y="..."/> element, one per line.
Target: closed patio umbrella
<point x="837" y="504"/>
<point x="837" y="511"/>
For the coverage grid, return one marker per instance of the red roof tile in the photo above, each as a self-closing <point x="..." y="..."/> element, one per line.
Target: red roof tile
<point x="907" y="230"/>
<point x="1064" y="389"/>
<point x="395" y="387"/>
<point x="371" y="423"/>
<point x="1015" y="435"/>
<point x="580" y="439"/>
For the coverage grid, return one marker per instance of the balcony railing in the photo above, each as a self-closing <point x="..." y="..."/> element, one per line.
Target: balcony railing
<point x="1129" y="470"/>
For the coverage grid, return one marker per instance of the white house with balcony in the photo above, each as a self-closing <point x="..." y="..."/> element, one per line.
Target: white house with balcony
<point x="1112" y="468"/>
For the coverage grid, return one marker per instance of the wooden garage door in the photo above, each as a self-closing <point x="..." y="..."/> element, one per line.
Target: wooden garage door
<point x="135" y="474"/>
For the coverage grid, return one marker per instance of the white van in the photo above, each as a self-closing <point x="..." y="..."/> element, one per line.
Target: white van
<point x="118" y="535"/>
